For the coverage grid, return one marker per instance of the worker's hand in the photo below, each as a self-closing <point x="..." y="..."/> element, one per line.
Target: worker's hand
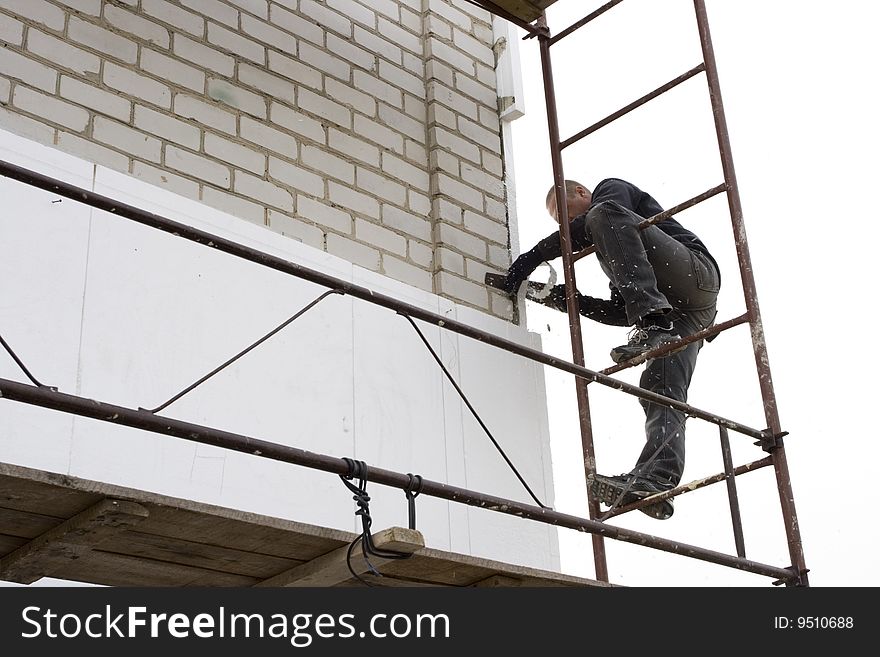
<point x="519" y="271"/>
<point x="556" y="298"/>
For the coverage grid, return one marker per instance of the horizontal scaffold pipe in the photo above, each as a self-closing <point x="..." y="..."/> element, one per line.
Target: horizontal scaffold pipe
<point x="136" y="419"/>
<point x="280" y="264"/>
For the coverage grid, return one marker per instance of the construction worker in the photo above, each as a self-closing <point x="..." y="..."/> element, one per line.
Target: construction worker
<point x="664" y="283"/>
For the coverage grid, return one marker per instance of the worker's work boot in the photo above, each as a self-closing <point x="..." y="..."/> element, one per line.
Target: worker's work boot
<point x="620" y="490"/>
<point x="645" y="339"/>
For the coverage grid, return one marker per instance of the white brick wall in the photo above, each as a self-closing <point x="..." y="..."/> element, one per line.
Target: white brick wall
<point x="367" y="128"/>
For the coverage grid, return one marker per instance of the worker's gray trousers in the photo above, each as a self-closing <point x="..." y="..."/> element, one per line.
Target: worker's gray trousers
<point x="654" y="272"/>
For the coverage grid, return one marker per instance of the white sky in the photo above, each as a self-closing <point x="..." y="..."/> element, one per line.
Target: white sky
<point x="798" y="82"/>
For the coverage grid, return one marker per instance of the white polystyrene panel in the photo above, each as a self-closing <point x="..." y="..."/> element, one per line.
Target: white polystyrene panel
<point x="117" y="311"/>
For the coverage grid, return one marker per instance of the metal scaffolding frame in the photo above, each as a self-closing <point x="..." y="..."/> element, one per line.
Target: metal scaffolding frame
<point x="518" y="12"/>
<point x="770" y="439"/>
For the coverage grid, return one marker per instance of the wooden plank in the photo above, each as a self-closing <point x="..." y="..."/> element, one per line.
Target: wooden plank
<point x="527" y="10"/>
<point x="50" y="494"/>
<point x="109" y="569"/>
<point x="26" y="524"/>
<point x="69" y="541"/>
<point x="138" y="543"/>
<point x="332" y="568"/>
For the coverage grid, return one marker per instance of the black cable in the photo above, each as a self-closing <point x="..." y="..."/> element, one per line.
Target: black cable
<point x="359" y="470"/>
<point x="474" y="412"/>
<point x="242" y="353"/>
<point x="23" y="368"/>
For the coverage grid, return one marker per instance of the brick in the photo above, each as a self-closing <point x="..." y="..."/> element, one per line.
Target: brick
<point x="295" y="70"/>
<point x="277" y="87"/>
<point x="171" y="129"/>
<point x="355" y="252"/>
<point x="415" y="152"/>
<point x="38" y="11"/>
<point x="479" y="134"/>
<point x="406" y="222"/>
<point x="321" y="60"/>
<point x="497" y="210"/>
<point x="234" y="96"/>
<point x="109" y="43"/>
<point x="297" y="229"/>
<point x="296" y="177"/>
<point x="234" y="205"/>
<point x="477" y="177"/>
<point x="126" y="139"/>
<point x="378" y="133"/>
<point x="411" y="20"/>
<point x="452" y="99"/>
<point x="89" y="150"/>
<point x="236" y="44"/>
<point x="435" y="70"/>
<point x="63" y="54"/>
<point x="421" y="254"/>
<point x="479" y="50"/>
<point x="133" y="84"/>
<point x="219" y="11"/>
<point x="447" y="211"/>
<point x="132" y="23"/>
<point x="479" y="92"/>
<point x="459" y="288"/>
<point x="397" y="76"/>
<point x="416" y="108"/>
<point x="348" y="51"/>
<point x="91" y="7"/>
<point x="435" y="48"/>
<point x="295" y="24"/>
<point x="493" y="163"/>
<point x="445" y="139"/>
<point x="462" y="193"/>
<point x="461" y="241"/>
<point x="270" y="138"/>
<point x="325" y="16"/>
<point x="197" y="165"/>
<point x="487" y="228"/>
<point x="174" y="15"/>
<point x="23" y="68"/>
<point x="403" y="38"/>
<point x="11" y="30"/>
<point x="355" y="11"/>
<point x="380" y="237"/>
<point x="414" y="64"/>
<point x="354" y="147"/>
<point x="499" y="256"/>
<point x="5" y="87"/>
<point x="325" y="162"/>
<point x="202" y="55"/>
<point x="256" y="7"/>
<point x="50" y="108"/>
<point x="173" y="70"/>
<point x="353" y="200"/>
<point x="381" y="186"/>
<point x="378" y="45"/>
<point x="369" y="83"/>
<point x="210" y="116"/>
<point x="442" y="161"/>
<point x="435" y="26"/>
<point x="237" y="154"/>
<point x="267" y="34"/>
<point x="297" y="122"/>
<point x="263" y="190"/>
<point x="402" y="123"/>
<point x="451" y="14"/>
<point x="418" y="203"/>
<point x="165" y="179"/>
<point x="324" y="215"/>
<point x="442" y="115"/>
<point x="26" y="127"/>
<point x="345" y="94"/>
<point x="400" y="170"/>
<point x="407" y="273"/>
